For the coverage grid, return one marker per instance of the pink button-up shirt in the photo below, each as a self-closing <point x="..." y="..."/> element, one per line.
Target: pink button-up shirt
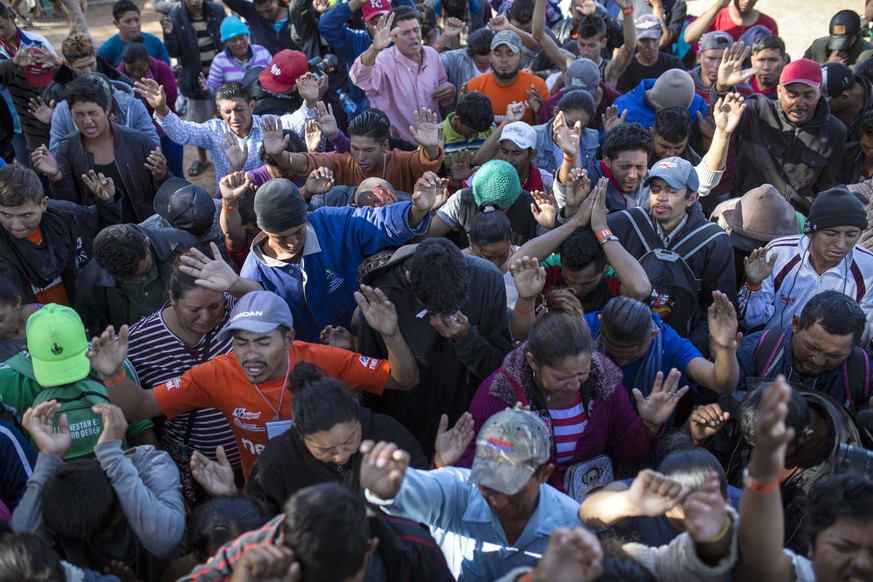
<point x="398" y="86"/>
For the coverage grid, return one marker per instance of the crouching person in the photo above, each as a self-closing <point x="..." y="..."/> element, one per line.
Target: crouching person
<point x="124" y="506"/>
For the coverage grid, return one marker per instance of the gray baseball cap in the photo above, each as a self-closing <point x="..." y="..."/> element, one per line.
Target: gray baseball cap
<point x="582" y="74"/>
<point x="510" y="447"/>
<point x="678" y="173"/>
<point x="509" y="38"/>
<point x="259" y="312"/>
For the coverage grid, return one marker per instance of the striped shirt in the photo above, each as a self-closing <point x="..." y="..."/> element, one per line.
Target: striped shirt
<point x="158" y="355"/>
<point x="205" y="43"/>
<point x="569" y="424"/>
<point x="226" y="68"/>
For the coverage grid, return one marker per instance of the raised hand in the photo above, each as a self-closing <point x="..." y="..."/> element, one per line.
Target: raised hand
<point x="529" y="277"/>
<point x="213" y="274"/>
<point x="378" y="310"/>
<point x="459" y="166"/>
<point x="705" y="511"/>
<point x="534" y="100"/>
<point x="611" y="119"/>
<point x="567" y="138"/>
<point x="544" y="208"/>
<point x="576" y="191"/>
<point x="307" y="87"/>
<point x="657" y="407"/>
<point x="383" y="468"/>
<point x="236" y="155"/>
<point x="453" y="27"/>
<point x="267" y="562"/>
<point x="153" y="93"/>
<point x="167" y="24"/>
<point x="101" y="186"/>
<point x="515" y="111"/>
<point x="572" y="556"/>
<point x="595" y="206"/>
<point x="114" y="423"/>
<point x="426" y="129"/>
<point x="312" y="135"/>
<point x="425" y="191"/>
<point x="730" y="71"/>
<point x="43" y="161"/>
<point x="233" y="187"/>
<point x="383" y="34"/>
<point x="705" y="124"/>
<point x="499" y="23"/>
<point x="39" y="423"/>
<point x="319" y="181"/>
<point x="728" y="112"/>
<point x="757" y="266"/>
<point x="771" y="433"/>
<point x="652" y="494"/>
<point x="107" y="351"/>
<point x="337" y="336"/>
<point x="325" y="120"/>
<point x="38" y="109"/>
<point x="156" y="163"/>
<point x="273" y="139"/>
<point x="706" y="421"/>
<point x="216" y="477"/>
<point x="450" y="445"/>
<point x="722" y="319"/>
<point x="838" y="56"/>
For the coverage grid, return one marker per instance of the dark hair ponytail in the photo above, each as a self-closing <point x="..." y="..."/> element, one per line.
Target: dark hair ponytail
<point x="320" y="403"/>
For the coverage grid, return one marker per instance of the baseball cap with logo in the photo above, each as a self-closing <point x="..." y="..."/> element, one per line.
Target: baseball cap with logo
<point x="801" y="71"/>
<point x="582" y="74"/>
<point x="510" y="447"/>
<point x="717" y="39"/>
<point x="58" y="345"/>
<point x="678" y="173"/>
<point x="836" y="79"/>
<point x="374" y="8"/>
<point x="38" y="75"/>
<point x="258" y="312"/>
<point x="509" y="38"/>
<point x="521" y="134"/>
<point x="283" y="71"/>
<point x="844" y="25"/>
<point x="648" y="26"/>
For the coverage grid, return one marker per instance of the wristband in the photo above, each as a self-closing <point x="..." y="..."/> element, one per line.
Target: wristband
<point x="603" y="234"/>
<point x="608" y="238"/>
<point x="526" y="578"/>
<point x="628" y="10"/>
<point x="521" y="312"/>
<point x="436" y="463"/>
<point x="116" y="380"/>
<point x="753" y="288"/>
<point x="750" y="483"/>
<point x="724" y="531"/>
<point x="229" y="208"/>
<point x="570" y="160"/>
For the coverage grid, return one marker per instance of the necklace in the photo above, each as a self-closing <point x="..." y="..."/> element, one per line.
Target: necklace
<point x="276" y="412"/>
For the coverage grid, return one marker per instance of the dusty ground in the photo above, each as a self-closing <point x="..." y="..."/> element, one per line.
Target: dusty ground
<point x="799" y="23"/>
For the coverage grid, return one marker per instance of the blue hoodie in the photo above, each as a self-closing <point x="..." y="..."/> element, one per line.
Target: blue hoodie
<point x="640" y="110"/>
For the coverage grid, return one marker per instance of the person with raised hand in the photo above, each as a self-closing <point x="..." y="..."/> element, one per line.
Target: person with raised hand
<point x="129" y="507"/>
<point x="404" y="78"/>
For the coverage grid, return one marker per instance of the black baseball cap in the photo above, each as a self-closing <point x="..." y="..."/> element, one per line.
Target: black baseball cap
<point x="844" y="25"/>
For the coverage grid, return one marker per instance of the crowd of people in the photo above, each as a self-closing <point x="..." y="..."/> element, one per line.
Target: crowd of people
<point x="519" y="290"/>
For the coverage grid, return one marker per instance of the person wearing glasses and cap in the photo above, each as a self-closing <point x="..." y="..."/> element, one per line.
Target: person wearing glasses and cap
<point x="489" y="519"/>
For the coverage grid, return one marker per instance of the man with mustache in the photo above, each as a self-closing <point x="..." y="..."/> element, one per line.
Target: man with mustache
<point x="250" y="385"/>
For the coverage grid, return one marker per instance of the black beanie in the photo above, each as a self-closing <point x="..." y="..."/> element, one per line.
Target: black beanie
<point x="279" y="206"/>
<point x="836" y="207"/>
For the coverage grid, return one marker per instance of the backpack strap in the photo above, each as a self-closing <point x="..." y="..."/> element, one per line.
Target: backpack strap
<point x="697" y="239"/>
<point x="769" y="352"/>
<point x="640" y="222"/>
<point x="856" y="373"/>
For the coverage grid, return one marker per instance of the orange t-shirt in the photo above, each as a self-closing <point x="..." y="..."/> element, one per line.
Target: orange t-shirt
<point x="502" y="97"/>
<point x="55" y="291"/>
<point x="221" y="384"/>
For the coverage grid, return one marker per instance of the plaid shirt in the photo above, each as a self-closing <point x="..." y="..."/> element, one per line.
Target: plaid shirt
<point x="210" y="136"/>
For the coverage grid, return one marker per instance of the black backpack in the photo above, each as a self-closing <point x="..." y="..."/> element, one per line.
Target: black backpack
<point x="675" y="287"/>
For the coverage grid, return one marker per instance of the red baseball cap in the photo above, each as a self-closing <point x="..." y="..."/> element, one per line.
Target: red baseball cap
<point x="38" y="76"/>
<point x="284" y="71"/>
<point x="801" y="71"/>
<point x="374" y="8"/>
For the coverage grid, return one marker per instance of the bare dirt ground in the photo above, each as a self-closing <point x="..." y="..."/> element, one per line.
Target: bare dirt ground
<point x="799" y="24"/>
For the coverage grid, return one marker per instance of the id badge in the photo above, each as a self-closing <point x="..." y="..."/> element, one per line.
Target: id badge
<point x="277" y="427"/>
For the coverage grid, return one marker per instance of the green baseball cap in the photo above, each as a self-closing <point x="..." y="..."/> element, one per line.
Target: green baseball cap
<point x="510" y="447"/>
<point x="58" y="345"/>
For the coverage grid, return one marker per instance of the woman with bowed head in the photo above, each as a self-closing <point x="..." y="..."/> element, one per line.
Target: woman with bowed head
<point x="577" y="391"/>
<point x="322" y="445"/>
<point x="183" y="334"/>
